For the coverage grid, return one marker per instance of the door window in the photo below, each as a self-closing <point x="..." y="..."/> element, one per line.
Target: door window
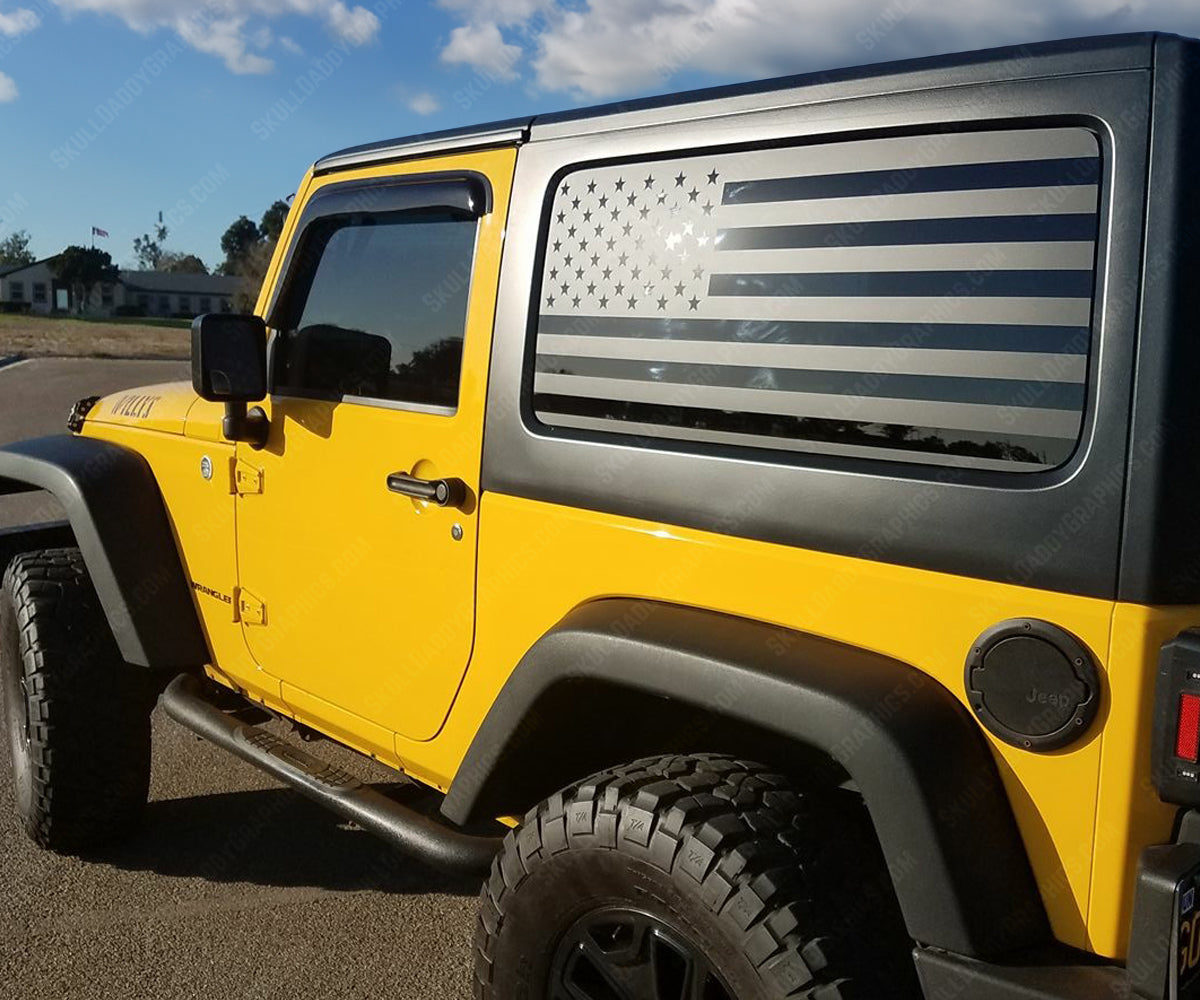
<point x="382" y="310"/>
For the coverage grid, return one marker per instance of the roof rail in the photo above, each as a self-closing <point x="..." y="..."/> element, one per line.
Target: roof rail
<point x="507" y="133"/>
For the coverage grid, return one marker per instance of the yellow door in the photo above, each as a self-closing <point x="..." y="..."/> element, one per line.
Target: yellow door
<point x="357" y="594"/>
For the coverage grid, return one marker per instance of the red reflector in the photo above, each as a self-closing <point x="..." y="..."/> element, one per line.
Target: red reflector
<point x="1187" y="736"/>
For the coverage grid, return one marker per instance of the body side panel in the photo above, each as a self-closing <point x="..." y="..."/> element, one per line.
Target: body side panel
<point x="538" y="561"/>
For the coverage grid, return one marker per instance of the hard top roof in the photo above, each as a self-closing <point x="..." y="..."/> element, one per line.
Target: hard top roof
<point x="1097" y="54"/>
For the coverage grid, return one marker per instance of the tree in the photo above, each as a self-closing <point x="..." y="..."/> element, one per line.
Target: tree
<point x="82" y="268"/>
<point x="272" y="221"/>
<point x="252" y="270"/>
<point x="148" y="249"/>
<point x="181" y="263"/>
<point x="239" y="239"/>
<point x="14" y="249"/>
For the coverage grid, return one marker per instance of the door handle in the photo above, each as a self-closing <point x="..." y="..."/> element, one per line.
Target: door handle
<point x="443" y="492"/>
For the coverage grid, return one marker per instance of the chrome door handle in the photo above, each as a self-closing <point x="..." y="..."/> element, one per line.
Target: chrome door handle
<point x="443" y="492"/>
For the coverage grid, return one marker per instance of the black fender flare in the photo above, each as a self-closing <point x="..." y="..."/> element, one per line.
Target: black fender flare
<point x="120" y="524"/>
<point x="924" y="769"/>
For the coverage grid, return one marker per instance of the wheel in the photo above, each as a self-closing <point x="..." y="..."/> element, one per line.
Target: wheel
<point x="691" y="878"/>
<point x="78" y="716"/>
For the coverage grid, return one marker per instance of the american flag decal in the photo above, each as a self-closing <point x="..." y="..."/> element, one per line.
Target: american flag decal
<point x="920" y="298"/>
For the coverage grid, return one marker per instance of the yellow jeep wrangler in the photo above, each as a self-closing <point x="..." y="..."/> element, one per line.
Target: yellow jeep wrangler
<point x="767" y="516"/>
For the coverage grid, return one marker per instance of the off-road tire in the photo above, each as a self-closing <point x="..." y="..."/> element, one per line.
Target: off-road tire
<point x="78" y="716"/>
<point x="783" y="894"/>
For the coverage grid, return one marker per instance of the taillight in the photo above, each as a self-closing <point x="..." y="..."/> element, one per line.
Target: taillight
<point x="1187" y="730"/>
<point x="1176" y="750"/>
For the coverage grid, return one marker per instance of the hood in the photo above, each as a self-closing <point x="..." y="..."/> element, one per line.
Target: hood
<point x="162" y="407"/>
<point x="169" y="408"/>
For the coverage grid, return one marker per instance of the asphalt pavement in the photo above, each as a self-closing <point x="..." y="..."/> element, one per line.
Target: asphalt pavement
<point x="235" y="886"/>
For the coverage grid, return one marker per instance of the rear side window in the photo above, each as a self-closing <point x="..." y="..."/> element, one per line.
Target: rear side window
<point x="919" y="298"/>
<point x="382" y="309"/>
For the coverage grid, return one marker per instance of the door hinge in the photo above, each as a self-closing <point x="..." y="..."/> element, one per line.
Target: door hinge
<point x="251" y="610"/>
<point x="247" y="478"/>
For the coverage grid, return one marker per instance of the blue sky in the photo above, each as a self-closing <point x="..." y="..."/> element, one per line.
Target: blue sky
<point x="114" y="110"/>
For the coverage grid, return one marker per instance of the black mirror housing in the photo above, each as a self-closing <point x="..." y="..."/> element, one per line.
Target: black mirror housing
<point x="229" y="357"/>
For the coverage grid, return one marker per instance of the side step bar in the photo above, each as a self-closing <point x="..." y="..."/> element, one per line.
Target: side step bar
<point x="187" y="702"/>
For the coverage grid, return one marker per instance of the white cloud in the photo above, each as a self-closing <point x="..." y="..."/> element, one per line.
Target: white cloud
<point x="291" y="45"/>
<point x="226" y="39"/>
<point x="423" y="103"/>
<point x="228" y="28"/>
<point x="603" y="48"/>
<point x="481" y="46"/>
<point x="18" y="22"/>
<point x="8" y="88"/>
<point x="356" y="25"/>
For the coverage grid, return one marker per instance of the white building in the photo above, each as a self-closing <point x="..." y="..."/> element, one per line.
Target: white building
<point x="34" y="288"/>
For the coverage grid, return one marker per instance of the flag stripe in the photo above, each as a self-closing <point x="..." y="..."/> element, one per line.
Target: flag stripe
<point x="983" y="418"/>
<point x="902" y="361"/>
<point x="1076" y="256"/>
<point x="899" y="153"/>
<point x="962" y="307"/>
<point x="898" y="207"/>
<point x="740" y="439"/>
<point x="871" y="284"/>
<point x="896" y="336"/>
<point x="1063" y="172"/>
<point x="852" y="385"/>
<point x="908" y="232"/>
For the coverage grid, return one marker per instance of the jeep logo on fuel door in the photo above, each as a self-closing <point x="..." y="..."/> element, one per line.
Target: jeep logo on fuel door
<point x="136" y="406"/>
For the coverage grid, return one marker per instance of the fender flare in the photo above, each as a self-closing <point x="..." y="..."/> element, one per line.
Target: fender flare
<point x="120" y="524"/>
<point x="924" y="769"/>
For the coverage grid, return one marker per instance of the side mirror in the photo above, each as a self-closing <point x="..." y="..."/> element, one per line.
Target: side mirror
<point x="229" y="357"/>
<point x="229" y="365"/>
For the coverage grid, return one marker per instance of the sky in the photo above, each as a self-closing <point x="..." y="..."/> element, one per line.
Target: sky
<point x="112" y="111"/>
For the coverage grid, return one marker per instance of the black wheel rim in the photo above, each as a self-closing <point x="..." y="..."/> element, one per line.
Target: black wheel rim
<point x="625" y="954"/>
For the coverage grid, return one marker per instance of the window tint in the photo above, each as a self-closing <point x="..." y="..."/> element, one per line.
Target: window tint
<point x="918" y="298"/>
<point x="383" y="312"/>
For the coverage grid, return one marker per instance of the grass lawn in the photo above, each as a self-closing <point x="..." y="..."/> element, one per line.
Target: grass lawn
<point x="56" y="336"/>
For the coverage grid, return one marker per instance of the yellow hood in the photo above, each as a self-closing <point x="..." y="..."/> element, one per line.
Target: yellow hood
<point x="153" y="407"/>
<point x="170" y="408"/>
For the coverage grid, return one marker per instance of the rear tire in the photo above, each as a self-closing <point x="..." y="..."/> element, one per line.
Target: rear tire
<point x="78" y="716"/>
<point x="690" y="877"/>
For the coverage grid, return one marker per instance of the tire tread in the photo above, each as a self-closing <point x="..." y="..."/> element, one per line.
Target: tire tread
<point x="88" y="710"/>
<point x="767" y="861"/>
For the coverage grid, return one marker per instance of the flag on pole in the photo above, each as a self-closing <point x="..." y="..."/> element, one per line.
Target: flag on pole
<point x="97" y="231"/>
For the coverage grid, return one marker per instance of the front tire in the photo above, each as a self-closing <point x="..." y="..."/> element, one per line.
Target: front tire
<point x="692" y="878"/>
<point x="78" y="716"/>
